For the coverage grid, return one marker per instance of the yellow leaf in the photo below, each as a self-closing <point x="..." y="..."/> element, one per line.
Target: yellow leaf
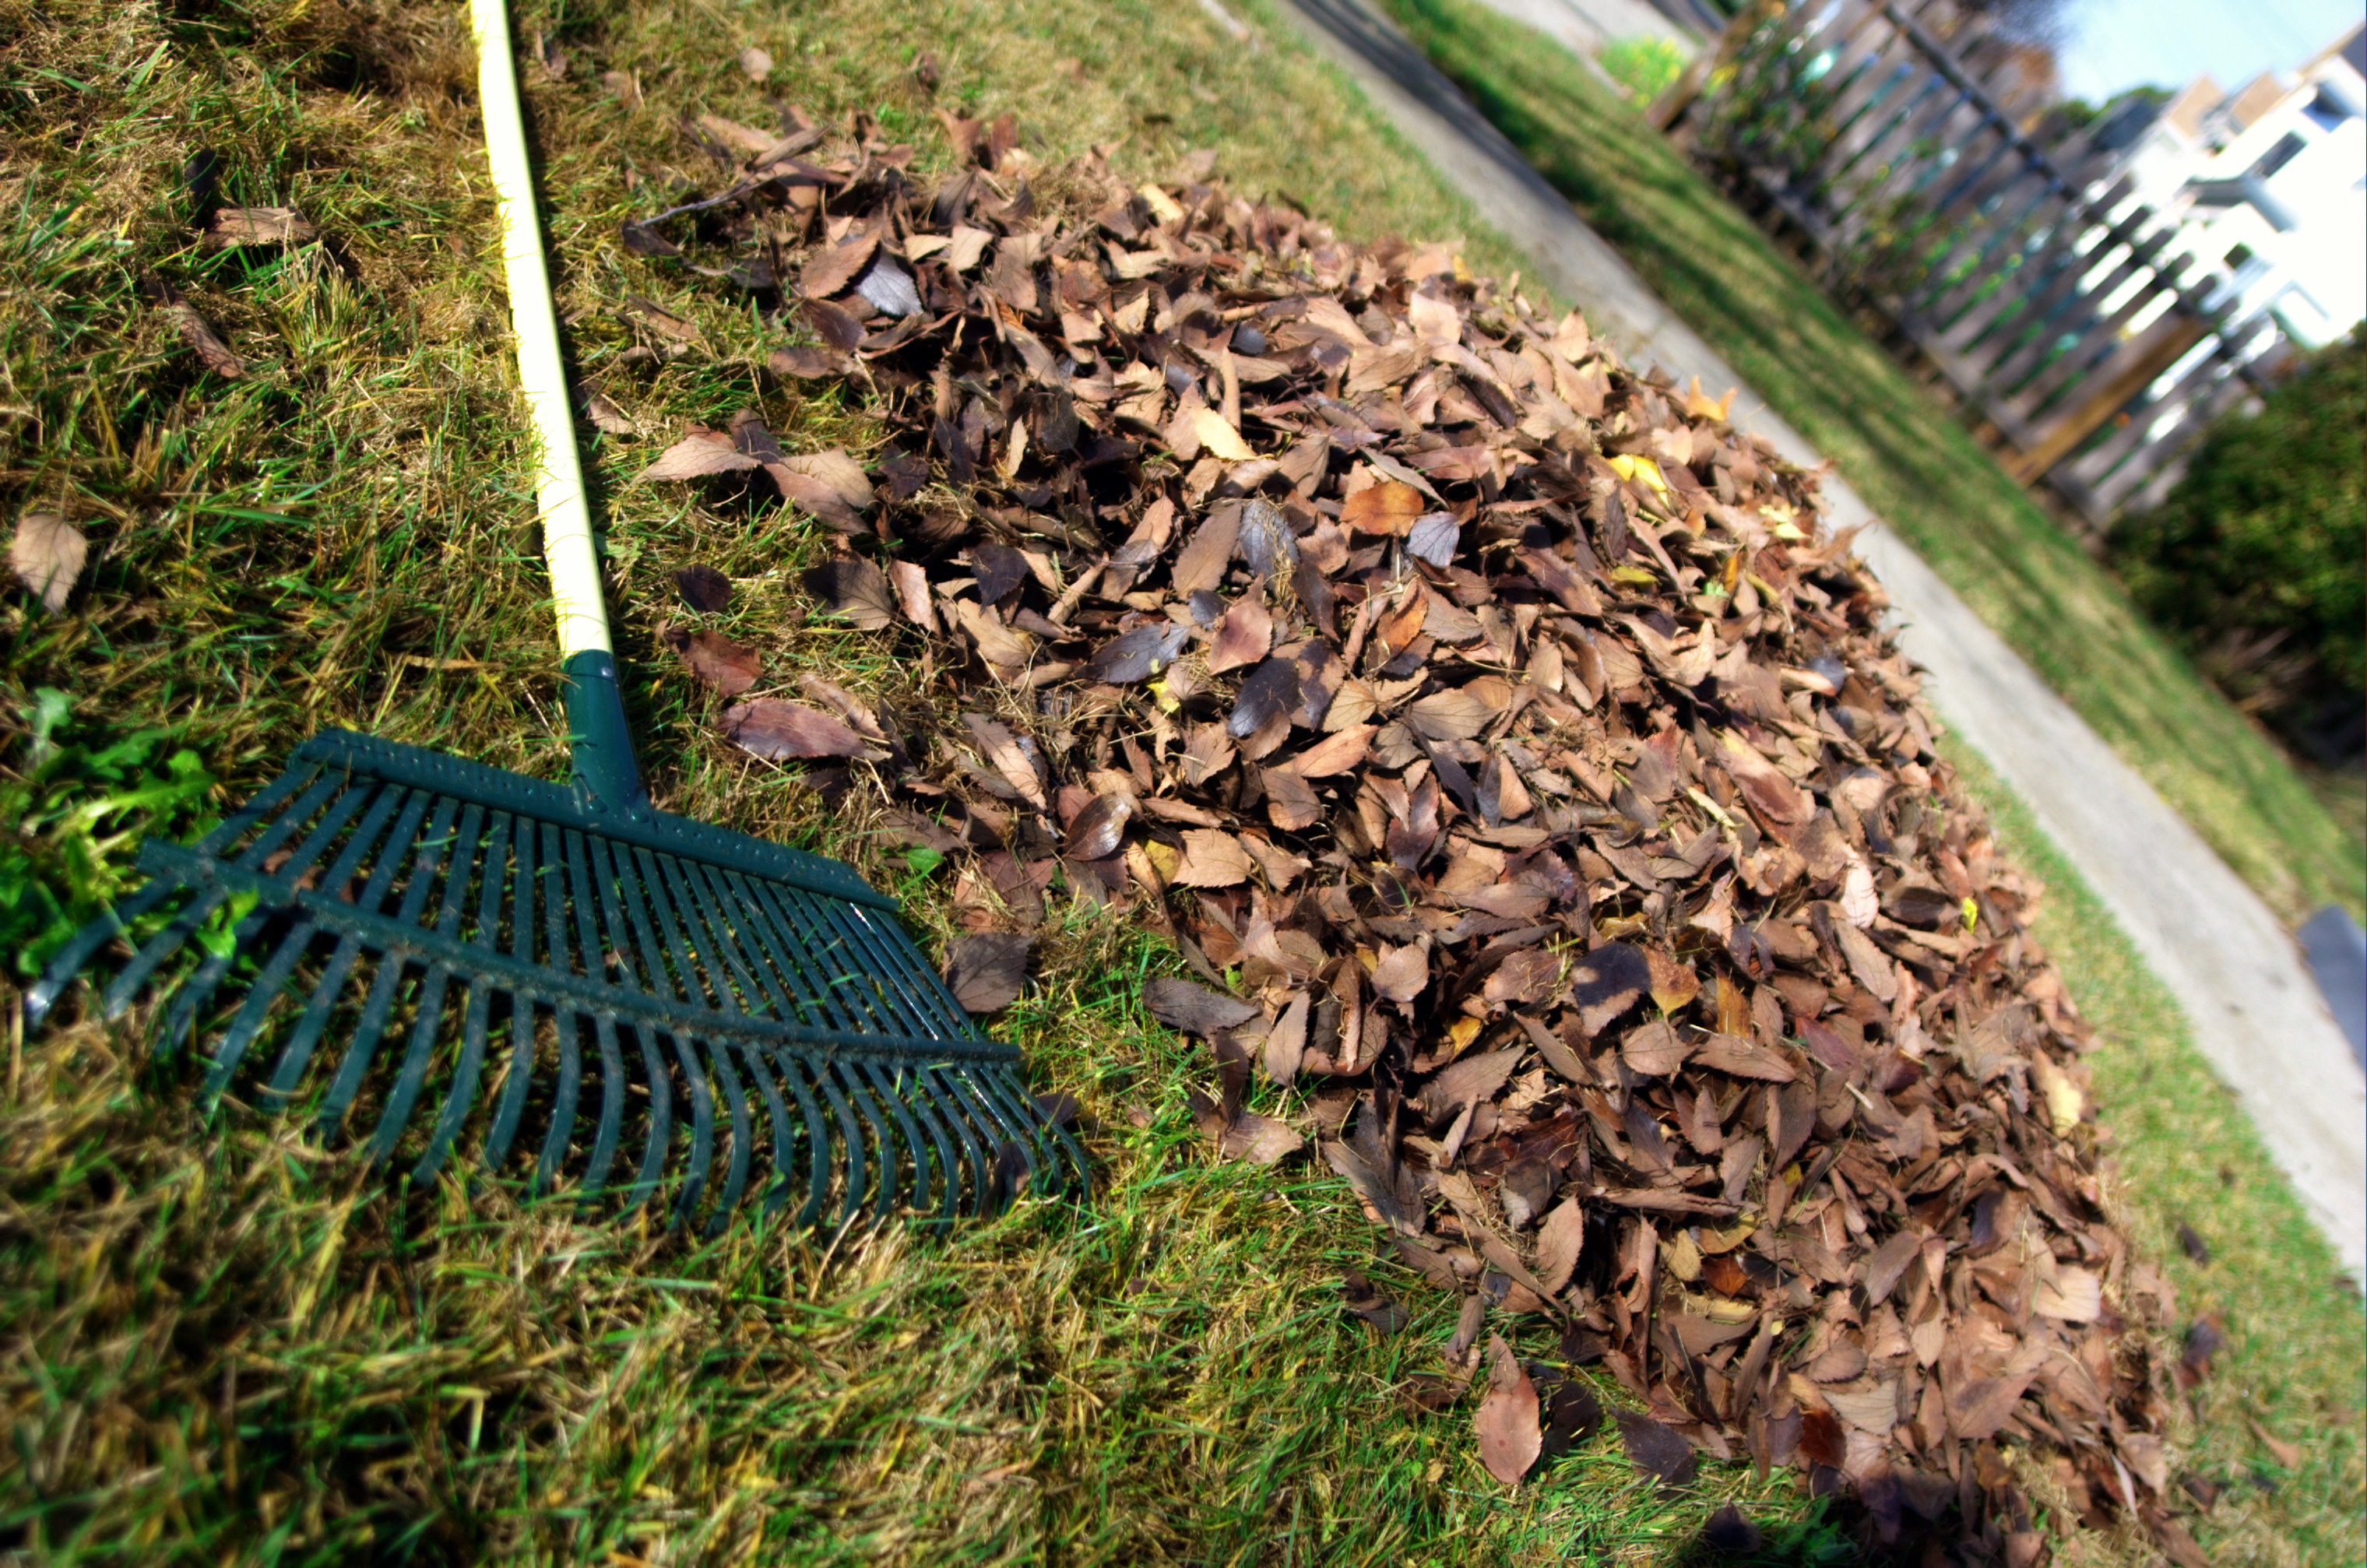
<point x="1971" y="913"/>
<point x="1161" y="204"/>
<point x="1701" y="406"/>
<point x="1462" y="1032"/>
<point x="1629" y="465"/>
<point x="1218" y="438"/>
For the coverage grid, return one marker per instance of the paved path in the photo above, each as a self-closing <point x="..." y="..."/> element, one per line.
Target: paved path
<point x="2257" y="1017"/>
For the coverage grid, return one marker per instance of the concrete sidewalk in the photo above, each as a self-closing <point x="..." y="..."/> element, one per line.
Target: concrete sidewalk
<point x="2257" y="1017"/>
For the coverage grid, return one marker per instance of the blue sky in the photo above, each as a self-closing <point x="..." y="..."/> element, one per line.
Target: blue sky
<point x="2121" y="43"/>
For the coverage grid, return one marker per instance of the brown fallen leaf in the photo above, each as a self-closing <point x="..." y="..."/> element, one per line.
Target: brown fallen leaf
<point x="1290" y="801"/>
<point x="1373" y="1305"/>
<point x="1729" y="1534"/>
<point x="47" y="555"/>
<point x="856" y="588"/>
<point x="840" y="473"/>
<point x="1190" y="1007"/>
<point x="1654" y="1050"/>
<point x="1212" y="859"/>
<point x="194" y="330"/>
<point x="606" y="416"/>
<point x="832" y="267"/>
<point x="988" y="970"/>
<point x="2288" y="1455"/>
<point x="1744" y="1058"/>
<point x="746" y="139"/>
<point x="860" y="715"/>
<point x="720" y="664"/>
<point x="1009" y="758"/>
<point x="704" y="589"/>
<point x="1099" y="829"/>
<point x="1655" y="1449"/>
<point x="911" y="586"/>
<point x="695" y="456"/>
<point x="779" y="731"/>
<point x="234" y="226"/>
<point x="1335" y="753"/>
<point x="1386" y="508"/>
<point x="1242" y="637"/>
<point x="1510" y="1437"/>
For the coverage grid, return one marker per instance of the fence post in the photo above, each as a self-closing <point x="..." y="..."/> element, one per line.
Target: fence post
<point x="2061" y="437"/>
<point x="1680" y="94"/>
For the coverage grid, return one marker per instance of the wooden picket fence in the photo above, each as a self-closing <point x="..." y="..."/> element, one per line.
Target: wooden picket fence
<point x="1905" y="145"/>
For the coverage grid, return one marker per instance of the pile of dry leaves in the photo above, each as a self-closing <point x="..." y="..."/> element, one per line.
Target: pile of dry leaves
<point x="1511" y="729"/>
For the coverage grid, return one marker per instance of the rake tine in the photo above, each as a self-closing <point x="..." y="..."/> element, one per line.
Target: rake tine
<point x="428" y="859"/>
<point x="1016" y="1125"/>
<point x="702" y="1126"/>
<point x="522" y="1004"/>
<point x="817" y="1140"/>
<point x="562" y="872"/>
<point x="883" y="1143"/>
<point x="274" y="979"/>
<point x="735" y="1102"/>
<point x="654" y="1154"/>
<point x="757" y="990"/>
<point x="296" y="1054"/>
<point x="161" y="946"/>
<point x="701" y="1107"/>
<point x="84" y="945"/>
<point x="461" y="1093"/>
<point x="618" y="879"/>
<point x="814" y="993"/>
<point x="413" y="1078"/>
<point x="115" y="921"/>
<point x="908" y="1087"/>
<point x="663" y="905"/>
<point x="922" y="998"/>
<point x="564" y="1096"/>
<point x="851" y="1142"/>
<point x="613" y="1088"/>
<point x="902" y="1123"/>
<point x="752" y="1059"/>
<point x="200" y="987"/>
<point x="765" y="960"/>
<point x="1043" y="1137"/>
<point x="959" y="1116"/>
<point x="781" y="931"/>
<point x="185" y="925"/>
<point x="883" y="1090"/>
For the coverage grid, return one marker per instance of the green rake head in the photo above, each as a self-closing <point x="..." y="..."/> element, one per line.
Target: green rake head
<point x="607" y="977"/>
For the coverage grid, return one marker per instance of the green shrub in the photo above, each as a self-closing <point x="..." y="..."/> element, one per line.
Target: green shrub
<point x="2258" y="559"/>
<point x="1644" y="66"/>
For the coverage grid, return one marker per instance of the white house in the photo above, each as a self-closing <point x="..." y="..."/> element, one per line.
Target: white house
<point x="2268" y="188"/>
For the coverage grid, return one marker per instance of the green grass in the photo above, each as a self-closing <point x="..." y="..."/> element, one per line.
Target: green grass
<point x="1644" y="66"/>
<point x="225" y="1347"/>
<point x="1910" y="459"/>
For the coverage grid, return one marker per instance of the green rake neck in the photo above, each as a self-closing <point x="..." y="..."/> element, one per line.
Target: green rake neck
<point x="600" y="743"/>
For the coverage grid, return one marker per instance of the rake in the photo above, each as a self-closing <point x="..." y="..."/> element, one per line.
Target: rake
<point x="600" y="971"/>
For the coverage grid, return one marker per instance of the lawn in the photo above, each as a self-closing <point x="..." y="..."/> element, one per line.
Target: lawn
<point x="1913" y="462"/>
<point x="227" y="1345"/>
